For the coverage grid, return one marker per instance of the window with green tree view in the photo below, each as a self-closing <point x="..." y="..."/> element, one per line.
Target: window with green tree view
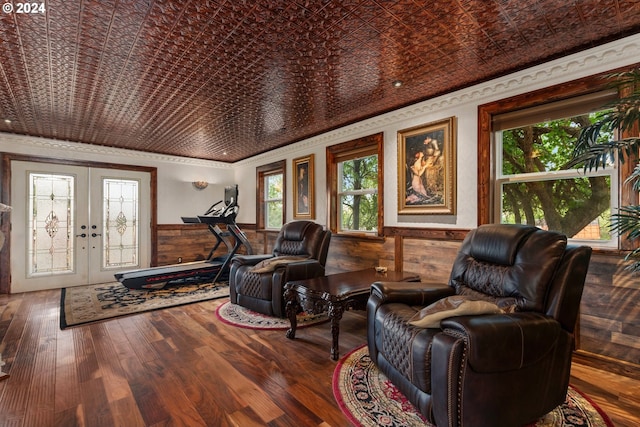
<point x="533" y="183"/>
<point x="270" y="182"/>
<point x="354" y="174"/>
<point x="358" y="194"/>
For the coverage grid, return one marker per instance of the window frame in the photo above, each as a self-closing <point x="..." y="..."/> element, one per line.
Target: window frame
<point x="262" y="172"/>
<point x="357" y="148"/>
<point x="486" y="147"/>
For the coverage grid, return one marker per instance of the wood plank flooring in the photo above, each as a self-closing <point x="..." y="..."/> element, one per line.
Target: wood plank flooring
<point x="182" y="367"/>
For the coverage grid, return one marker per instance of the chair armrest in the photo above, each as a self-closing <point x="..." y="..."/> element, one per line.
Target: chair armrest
<point x="251" y="260"/>
<point x="410" y="293"/>
<point x="504" y="342"/>
<point x="302" y="270"/>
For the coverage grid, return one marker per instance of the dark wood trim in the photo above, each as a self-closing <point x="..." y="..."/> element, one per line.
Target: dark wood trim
<point x="5" y="226"/>
<point x="5" y="175"/>
<point x="261" y="172"/>
<point x="456" y="234"/>
<point x="345" y="151"/>
<point x="398" y="253"/>
<point x="558" y="92"/>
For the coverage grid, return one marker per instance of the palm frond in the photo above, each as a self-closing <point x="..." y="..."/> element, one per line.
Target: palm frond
<point x="635" y="257"/>
<point x="627" y="221"/>
<point x="590" y="151"/>
<point x="634" y="177"/>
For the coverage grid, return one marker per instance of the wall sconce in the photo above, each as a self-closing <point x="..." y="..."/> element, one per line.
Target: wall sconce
<point x="200" y="185"/>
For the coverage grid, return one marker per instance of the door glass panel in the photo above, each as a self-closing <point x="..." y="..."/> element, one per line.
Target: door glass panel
<point x="120" y="225"/>
<point x="51" y="223"/>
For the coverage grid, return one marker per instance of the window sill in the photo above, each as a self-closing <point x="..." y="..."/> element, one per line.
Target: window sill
<point x="358" y="236"/>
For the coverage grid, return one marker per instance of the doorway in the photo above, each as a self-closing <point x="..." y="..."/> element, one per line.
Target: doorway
<point x="76" y="225"/>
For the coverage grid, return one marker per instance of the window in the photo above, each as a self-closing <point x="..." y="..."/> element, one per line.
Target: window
<point x="533" y="184"/>
<point x="354" y="173"/>
<point x="271" y="190"/>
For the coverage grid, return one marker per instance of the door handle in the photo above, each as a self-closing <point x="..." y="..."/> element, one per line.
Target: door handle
<point x="95" y="235"/>
<point x="83" y="235"/>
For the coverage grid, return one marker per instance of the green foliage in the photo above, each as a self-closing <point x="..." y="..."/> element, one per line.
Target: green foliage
<point x="359" y="206"/>
<point x="274" y="186"/>
<point x="594" y="150"/>
<point x="566" y="204"/>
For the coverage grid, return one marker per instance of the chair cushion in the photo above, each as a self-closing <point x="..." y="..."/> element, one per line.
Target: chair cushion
<point x="457" y="305"/>
<point x="269" y="265"/>
<point x="498" y="245"/>
<point x="523" y="272"/>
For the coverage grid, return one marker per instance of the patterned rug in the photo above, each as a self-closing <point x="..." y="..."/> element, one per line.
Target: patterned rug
<point x="85" y="304"/>
<point x="368" y="399"/>
<point x="242" y="317"/>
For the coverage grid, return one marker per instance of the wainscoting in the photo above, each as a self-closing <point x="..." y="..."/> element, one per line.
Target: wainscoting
<point x="609" y="324"/>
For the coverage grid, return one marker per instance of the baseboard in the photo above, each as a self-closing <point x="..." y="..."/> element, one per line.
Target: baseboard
<point x="605" y="363"/>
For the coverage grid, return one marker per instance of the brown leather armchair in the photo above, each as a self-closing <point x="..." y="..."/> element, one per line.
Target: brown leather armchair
<point x="257" y="281"/>
<point x="505" y="369"/>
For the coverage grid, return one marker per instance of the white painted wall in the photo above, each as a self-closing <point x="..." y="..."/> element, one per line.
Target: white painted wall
<point x="176" y="196"/>
<point x="463" y="105"/>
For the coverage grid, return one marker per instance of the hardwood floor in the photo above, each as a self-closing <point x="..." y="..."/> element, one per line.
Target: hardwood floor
<point x="181" y="366"/>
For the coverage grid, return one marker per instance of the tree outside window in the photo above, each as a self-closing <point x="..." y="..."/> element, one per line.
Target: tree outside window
<point x="270" y="183"/>
<point x="535" y="185"/>
<point x="354" y="178"/>
<point x="273" y="200"/>
<point x="358" y="194"/>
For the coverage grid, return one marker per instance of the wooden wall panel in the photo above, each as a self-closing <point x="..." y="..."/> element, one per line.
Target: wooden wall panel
<point x="349" y="253"/>
<point x="609" y="324"/>
<point x="432" y="259"/>
<point x="191" y="242"/>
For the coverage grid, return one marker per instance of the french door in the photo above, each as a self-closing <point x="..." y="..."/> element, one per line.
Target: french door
<point x="75" y="225"/>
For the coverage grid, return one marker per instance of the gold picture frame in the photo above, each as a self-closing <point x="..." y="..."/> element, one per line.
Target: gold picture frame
<point x="427" y="169"/>
<point x="303" y="190"/>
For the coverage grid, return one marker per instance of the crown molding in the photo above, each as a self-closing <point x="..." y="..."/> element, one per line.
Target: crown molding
<point x="79" y="151"/>
<point x="620" y="53"/>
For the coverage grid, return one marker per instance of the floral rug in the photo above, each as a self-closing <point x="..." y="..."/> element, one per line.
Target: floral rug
<point x="368" y="399"/>
<point x="242" y="317"/>
<point x="85" y="304"/>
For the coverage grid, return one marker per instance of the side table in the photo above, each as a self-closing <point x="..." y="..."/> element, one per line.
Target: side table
<point x="335" y="294"/>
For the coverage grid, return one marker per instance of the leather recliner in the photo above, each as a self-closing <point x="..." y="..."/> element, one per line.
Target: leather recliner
<point x="504" y="369"/>
<point x="257" y="281"/>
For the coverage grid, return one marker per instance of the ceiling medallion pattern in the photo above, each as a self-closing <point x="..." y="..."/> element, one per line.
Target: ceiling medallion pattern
<point x="204" y="78"/>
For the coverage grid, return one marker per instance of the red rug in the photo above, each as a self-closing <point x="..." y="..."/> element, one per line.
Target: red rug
<point x="242" y="317"/>
<point x="368" y="399"/>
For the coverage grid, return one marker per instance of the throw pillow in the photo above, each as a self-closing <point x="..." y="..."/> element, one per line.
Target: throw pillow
<point x="270" y="264"/>
<point x="457" y="305"/>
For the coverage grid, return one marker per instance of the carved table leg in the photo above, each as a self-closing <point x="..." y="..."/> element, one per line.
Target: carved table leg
<point x="335" y="314"/>
<point x="292" y="309"/>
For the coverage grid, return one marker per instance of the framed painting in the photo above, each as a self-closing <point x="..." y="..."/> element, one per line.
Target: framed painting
<point x="303" y="195"/>
<point x="427" y="169"/>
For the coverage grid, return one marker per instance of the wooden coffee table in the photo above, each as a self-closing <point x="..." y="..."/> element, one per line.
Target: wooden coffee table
<point x="335" y="294"/>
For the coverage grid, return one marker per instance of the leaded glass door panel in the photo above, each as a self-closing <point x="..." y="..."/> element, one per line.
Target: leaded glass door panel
<point x="119" y="227"/>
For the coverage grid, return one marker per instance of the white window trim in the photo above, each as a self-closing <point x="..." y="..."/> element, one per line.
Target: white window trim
<point x="500" y="180"/>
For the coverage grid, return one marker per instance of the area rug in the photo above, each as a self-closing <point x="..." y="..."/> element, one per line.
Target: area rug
<point x="368" y="399"/>
<point x="242" y="317"/>
<point x="85" y="304"/>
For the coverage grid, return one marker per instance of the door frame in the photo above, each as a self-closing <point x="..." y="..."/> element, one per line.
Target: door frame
<point x="5" y="179"/>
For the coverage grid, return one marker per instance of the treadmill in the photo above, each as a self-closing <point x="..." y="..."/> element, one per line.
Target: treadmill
<point x="210" y="270"/>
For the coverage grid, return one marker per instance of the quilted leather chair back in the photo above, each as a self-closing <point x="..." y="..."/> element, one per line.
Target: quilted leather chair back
<point x="303" y="238"/>
<point x="508" y="265"/>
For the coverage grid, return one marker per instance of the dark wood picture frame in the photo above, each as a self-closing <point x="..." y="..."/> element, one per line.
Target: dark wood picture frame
<point x="427" y="169"/>
<point x="303" y="193"/>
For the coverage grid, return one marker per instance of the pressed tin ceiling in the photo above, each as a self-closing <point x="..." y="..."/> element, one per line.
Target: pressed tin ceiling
<point x="227" y="79"/>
